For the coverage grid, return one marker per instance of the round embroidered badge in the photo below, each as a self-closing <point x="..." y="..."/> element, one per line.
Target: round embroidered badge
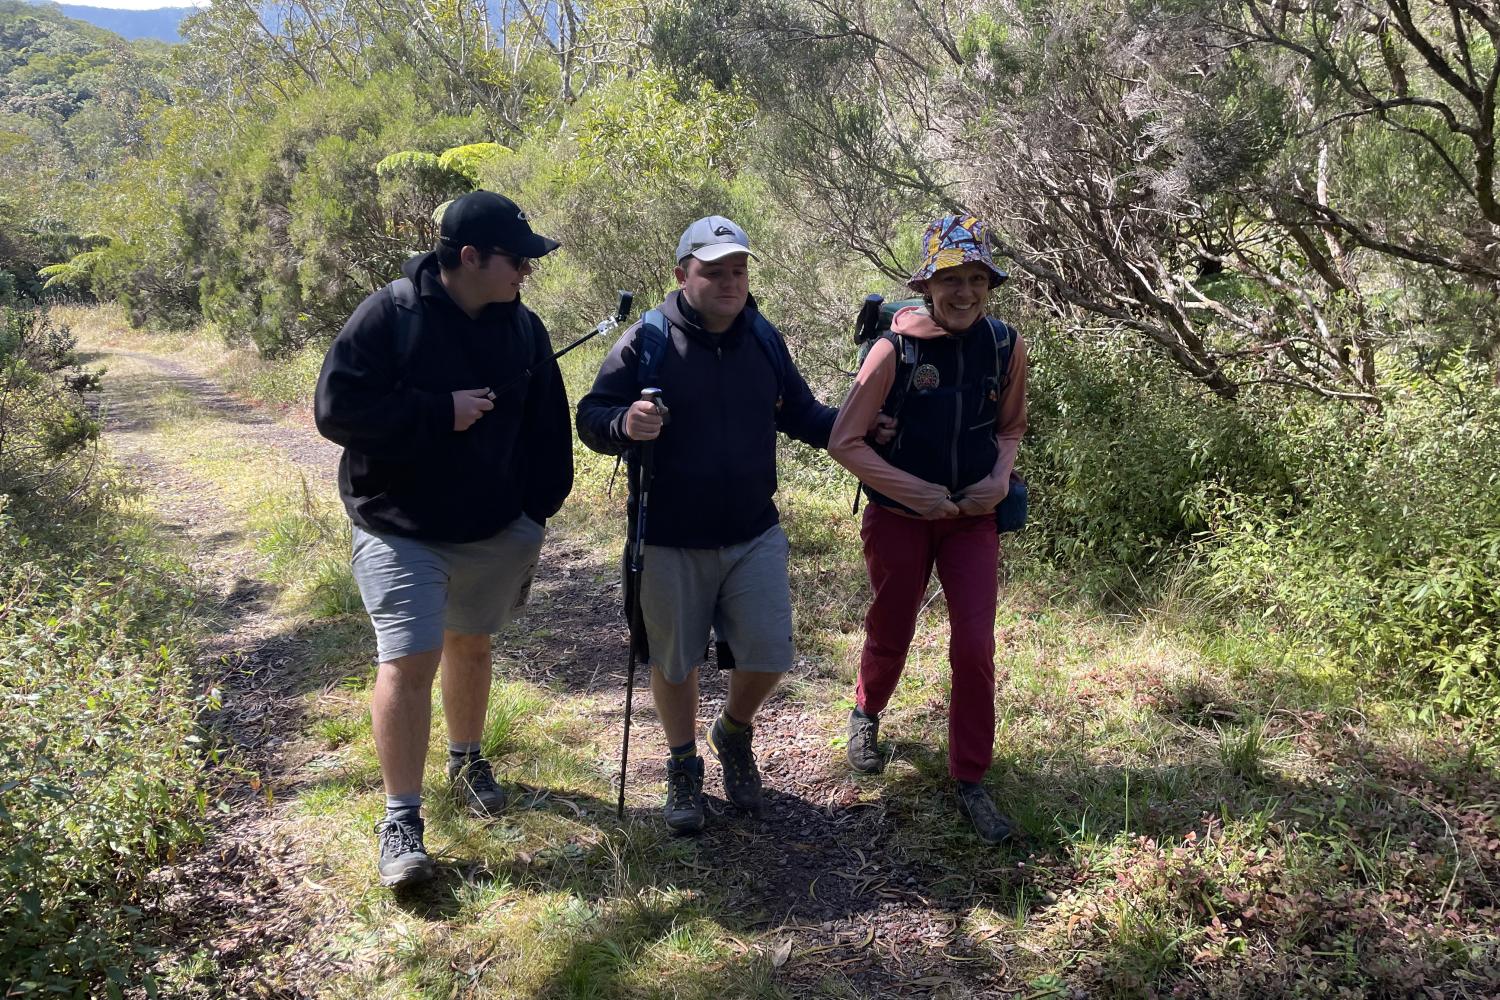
<point x="925" y="377"/>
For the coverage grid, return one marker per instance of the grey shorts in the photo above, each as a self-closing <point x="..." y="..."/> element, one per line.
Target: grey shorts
<point x="741" y="591"/>
<point x="413" y="589"/>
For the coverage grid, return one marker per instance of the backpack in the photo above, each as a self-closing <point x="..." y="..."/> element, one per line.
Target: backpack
<point x="874" y="323"/>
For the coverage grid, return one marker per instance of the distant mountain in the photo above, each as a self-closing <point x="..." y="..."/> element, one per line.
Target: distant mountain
<point x="161" y="23"/>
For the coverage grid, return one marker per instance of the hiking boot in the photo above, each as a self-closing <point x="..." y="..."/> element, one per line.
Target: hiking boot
<point x="403" y="859"/>
<point x="683" y="810"/>
<point x="864" y="755"/>
<point x="974" y="802"/>
<point x="741" y="776"/>
<point x="475" y="788"/>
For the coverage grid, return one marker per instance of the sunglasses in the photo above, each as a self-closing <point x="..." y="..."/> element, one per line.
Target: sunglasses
<point x="517" y="261"/>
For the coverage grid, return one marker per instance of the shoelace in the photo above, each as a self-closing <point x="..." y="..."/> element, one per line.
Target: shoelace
<point x="398" y="838"/>
<point x="863" y="740"/>
<point x="741" y="766"/>
<point x="480" y="776"/>
<point x="981" y="808"/>
<point x="680" y="784"/>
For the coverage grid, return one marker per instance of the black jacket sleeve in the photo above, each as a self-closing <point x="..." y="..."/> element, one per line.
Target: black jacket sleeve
<point x="361" y="402"/>
<point x="545" y="448"/>
<point x="801" y="415"/>
<point x="601" y="414"/>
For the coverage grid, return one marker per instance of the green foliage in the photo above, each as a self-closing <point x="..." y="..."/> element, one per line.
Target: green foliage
<point x="98" y="744"/>
<point x="470" y="160"/>
<point x="320" y="207"/>
<point x="44" y="423"/>
<point x="1387" y="549"/>
<point x="1120" y="452"/>
<point x="639" y="162"/>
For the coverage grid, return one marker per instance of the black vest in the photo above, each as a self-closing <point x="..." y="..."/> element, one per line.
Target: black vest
<point x="945" y="400"/>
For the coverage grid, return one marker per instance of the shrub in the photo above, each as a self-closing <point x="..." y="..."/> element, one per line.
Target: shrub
<point x="99" y="752"/>
<point x="1386" y="550"/>
<point x="1120" y="452"/>
<point x="44" y="422"/>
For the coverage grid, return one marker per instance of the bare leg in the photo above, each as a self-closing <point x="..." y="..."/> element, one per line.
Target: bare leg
<point x="466" y="685"/>
<point x="748" y="690"/>
<point x="676" y="706"/>
<point x="401" y="716"/>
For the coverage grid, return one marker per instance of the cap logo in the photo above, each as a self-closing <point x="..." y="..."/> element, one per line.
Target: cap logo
<point x="723" y="231"/>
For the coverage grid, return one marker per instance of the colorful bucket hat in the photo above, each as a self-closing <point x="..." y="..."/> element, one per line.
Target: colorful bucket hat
<point x="951" y="241"/>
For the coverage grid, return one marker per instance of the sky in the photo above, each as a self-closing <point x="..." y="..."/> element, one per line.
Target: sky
<point x="137" y="4"/>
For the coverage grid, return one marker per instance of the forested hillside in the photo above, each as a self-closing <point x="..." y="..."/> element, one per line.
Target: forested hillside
<point x="1255" y="253"/>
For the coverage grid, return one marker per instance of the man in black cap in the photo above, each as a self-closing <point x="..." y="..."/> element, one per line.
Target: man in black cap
<point x="450" y="469"/>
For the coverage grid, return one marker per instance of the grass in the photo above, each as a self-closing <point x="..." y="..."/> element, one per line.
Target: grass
<point x="1208" y="809"/>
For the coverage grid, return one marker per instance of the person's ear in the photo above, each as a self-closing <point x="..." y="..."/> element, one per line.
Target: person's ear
<point x="681" y="273"/>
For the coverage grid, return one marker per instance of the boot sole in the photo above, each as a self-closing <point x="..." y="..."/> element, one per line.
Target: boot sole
<point x="413" y="874"/>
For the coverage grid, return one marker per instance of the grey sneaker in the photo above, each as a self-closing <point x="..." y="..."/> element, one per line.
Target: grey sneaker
<point x="741" y="776"/>
<point x="684" y="806"/>
<point x="475" y="788"/>
<point x="403" y="859"/>
<point x="864" y="755"/>
<point x="974" y="802"/>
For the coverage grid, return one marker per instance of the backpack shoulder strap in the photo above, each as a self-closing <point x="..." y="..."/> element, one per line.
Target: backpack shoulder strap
<point x="1005" y="347"/>
<point x="771" y="342"/>
<point x="906" y="369"/>
<point x="651" y="344"/>
<point x="403" y="293"/>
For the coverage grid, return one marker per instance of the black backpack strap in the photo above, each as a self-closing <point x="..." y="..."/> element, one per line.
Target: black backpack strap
<point x="403" y="293"/>
<point x="775" y="349"/>
<point x="906" y="370"/>
<point x="1005" y="348"/>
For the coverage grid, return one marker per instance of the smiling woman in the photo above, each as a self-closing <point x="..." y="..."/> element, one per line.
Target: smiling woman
<point x="933" y="492"/>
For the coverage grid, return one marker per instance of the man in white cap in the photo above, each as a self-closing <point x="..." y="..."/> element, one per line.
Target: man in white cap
<point x="715" y="554"/>
<point x="453" y="461"/>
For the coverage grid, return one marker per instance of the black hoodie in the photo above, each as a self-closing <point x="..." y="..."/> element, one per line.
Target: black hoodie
<point x="715" y="465"/>
<point x="405" y="470"/>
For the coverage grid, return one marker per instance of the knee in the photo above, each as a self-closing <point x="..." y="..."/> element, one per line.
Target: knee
<point x="413" y="671"/>
<point x="466" y="650"/>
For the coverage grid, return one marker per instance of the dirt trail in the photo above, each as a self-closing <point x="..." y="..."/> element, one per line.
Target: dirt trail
<point x="818" y="874"/>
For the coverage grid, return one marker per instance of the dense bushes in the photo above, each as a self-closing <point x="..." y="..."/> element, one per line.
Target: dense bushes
<point x="1120" y="452"/>
<point x="97" y="749"/>
<point x="98" y="763"/>
<point x="1386" y="552"/>
<point x="1375" y="537"/>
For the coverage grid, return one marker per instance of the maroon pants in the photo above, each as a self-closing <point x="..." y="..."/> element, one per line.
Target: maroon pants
<point x="900" y="553"/>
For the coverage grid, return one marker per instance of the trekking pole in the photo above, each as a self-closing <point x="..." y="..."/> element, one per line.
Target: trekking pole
<point x="634" y="563"/>
<point x="622" y="310"/>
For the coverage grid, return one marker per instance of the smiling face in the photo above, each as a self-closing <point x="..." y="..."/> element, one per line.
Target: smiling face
<point x="718" y="289"/>
<point x="959" y="295"/>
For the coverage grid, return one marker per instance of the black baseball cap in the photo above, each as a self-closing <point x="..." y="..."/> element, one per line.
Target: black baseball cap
<point x="490" y="221"/>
